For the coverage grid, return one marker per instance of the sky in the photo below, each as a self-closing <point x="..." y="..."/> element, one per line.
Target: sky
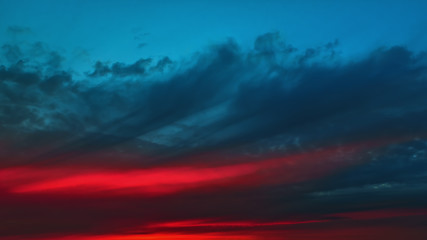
<point x="287" y="120"/>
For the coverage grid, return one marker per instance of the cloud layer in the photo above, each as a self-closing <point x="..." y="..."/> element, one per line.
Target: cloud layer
<point x="228" y="140"/>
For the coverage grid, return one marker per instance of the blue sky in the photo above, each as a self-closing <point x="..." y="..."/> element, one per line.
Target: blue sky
<point x="128" y="30"/>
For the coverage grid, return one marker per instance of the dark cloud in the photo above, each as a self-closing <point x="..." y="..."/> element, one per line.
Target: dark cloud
<point x="271" y="92"/>
<point x="16" y="75"/>
<point x="54" y="60"/>
<point x="162" y="64"/>
<point x="121" y="69"/>
<point x="324" y="94"/>
<point x="101" y="69"/>
<point x="55" y="82"/>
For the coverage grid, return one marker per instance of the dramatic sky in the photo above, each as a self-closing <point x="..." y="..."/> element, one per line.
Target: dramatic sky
<point x="231" y="120"/>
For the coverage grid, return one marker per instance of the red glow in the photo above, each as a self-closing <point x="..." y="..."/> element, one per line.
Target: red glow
<point x="166" y="180"/>
<point x="165" y="236"/>
<point x="66" y="200"/>
<point x="242" y="224"/>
